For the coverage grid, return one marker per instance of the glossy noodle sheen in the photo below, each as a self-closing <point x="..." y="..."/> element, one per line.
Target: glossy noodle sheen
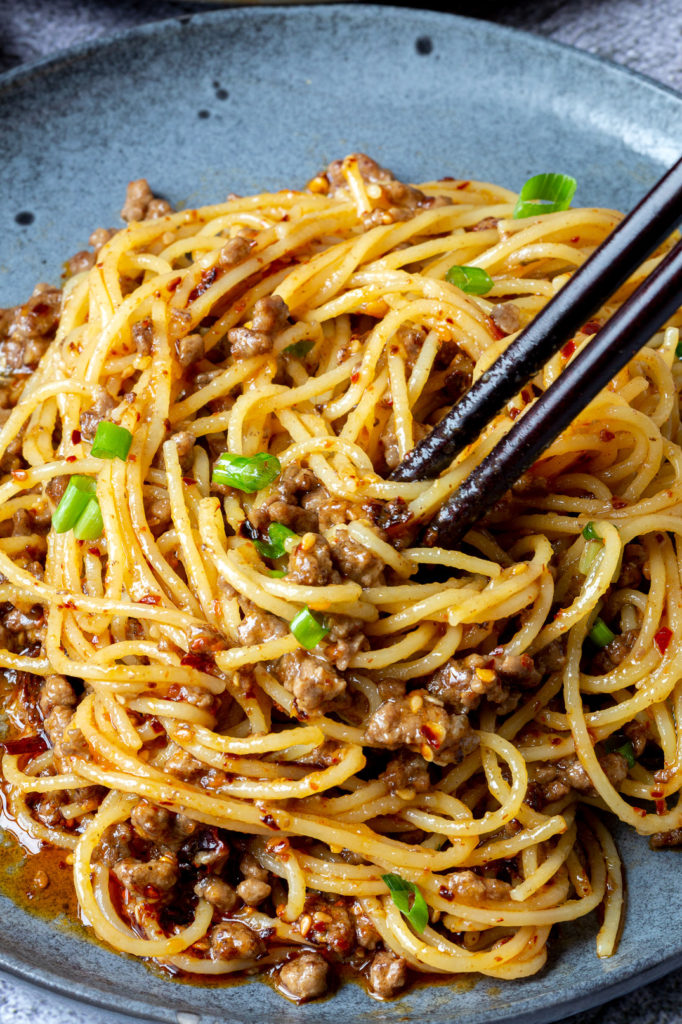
<point x="230" y="790"/>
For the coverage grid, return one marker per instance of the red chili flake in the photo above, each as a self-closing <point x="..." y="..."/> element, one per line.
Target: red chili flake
<point x="278" y="846"/>
<point x="355" y="376"/>
<point x="201" y="662"/>
<point x="606" y="435"/>
<point x="430" y="736"/>
<point x="640" y="811"/>
<point x="462" y="184"/>
<point x="445" y="894"/>
<point x="189" y="480"/>
<point x="150" y="599"/>
<point x="568" y="349"/>
<point x="94" y="551"/>
<point x="618" y="502"/>
<point x="663" y="638"/>
<point x="270" y="822"/>
<point x="172" y="285"/>
<point x="527" y="395"/>
<point x="591" y="327"/>
<point x="657" y="793"/>
<point x="75" y="436"/>
<point x="71" y="458"/>
<point x="555" y="741"/>
<point x="496" y="331"/>
<point x="513" y="412"/>
<point x="661" y="807"/>
<point x="574" y="240"/>
<point x="19" y="474"/>
<point x="207" y="279"/>
<point x="25" y="745"/>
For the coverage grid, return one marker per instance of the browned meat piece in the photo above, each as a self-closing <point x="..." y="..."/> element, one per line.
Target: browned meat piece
<point x="313" y="682"/>
<point x="56" y="486"/>
<point x="327" y="510"/>
<point x="613" y="654"/>
<point x="189" y="349"/>
<point x="258" y="626"/>
<point x="664" y="840"/>
<point x="366" y="934"/>
<point x="114" y="846"/>
<point x="141" y="204"/>
<point x="143" y="336"/>
<point x="345" y="638"/>
<point x="310" y="563"/>
<point x="460" y="372"/>
<point x="506" y="317"/>
<point x="55" y="691"/>
<point x="355" y="561"/>
<point x="246" y="342"/>
<point x="179" y="762"/>
<point x="270" y="314"/>
<point x="250" y="868"/>
<point x="420" y="722"/>
<point x="551" y="658"/>
<point x="158" y="513"/>
<point x="98" y="411"/>
<point x="635" y="566"/>
<point x="387" y="974"/>
<point x="470" y="888"/>
<point x="217" y="892"/>
<point x="27" y="626"/>
<point x="555" y="780"/>
<point x="305" y="977"/>
<point x="407" y="771"/>
<point x="284" y="505"/>
<point x="234" y="941"/>
<point x="253" y="891"/>
<point x="391" y="689"/>
<point x="47" y="808"/>
<point x="80" y="261"/>
<point x="234" y="252"/>
<point x="397" y="201"/>
<point x="184" y="442"/>
<point x="463" y="683"/>
<point x="326" y="922"/>
<point x="160" y="873"/>
<point x="484" y="225"/>
<point x="638" y="734"/>
<point x="152" y="822"/>
<point x="100" y="237"/>
<point x="27" y="330"/>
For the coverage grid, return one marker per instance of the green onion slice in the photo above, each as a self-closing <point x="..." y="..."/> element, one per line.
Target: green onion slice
<point x="472" y="280"/>
<point x="308" y="629"/>
<point x="591" y="551"/>
<point x="590" y="533"/>
<point x="75" y="498"/>
<point x="277" y="574"/>
<point x="409" y="901"/>
<point x="627" y="751"/>
<point x="248" y="473"/>
<point x="545" y="193"/>
<point x="281" y="540"/>
<point x="678" y="350"/>
<point x="300" y="349"/>
<point x="111" y="441"/>
<point x="90" y="523"/>
<point x="600" y="634"/>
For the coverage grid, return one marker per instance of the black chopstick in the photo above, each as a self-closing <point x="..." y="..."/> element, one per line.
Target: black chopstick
<point x="635" y="238"/>
<point x="627" y="331"/>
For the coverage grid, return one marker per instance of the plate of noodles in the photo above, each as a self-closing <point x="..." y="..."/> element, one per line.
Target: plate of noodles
<point x="263" y="750"/>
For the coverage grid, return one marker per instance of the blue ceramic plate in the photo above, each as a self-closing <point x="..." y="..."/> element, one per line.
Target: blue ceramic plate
<point x="251" y="99"/>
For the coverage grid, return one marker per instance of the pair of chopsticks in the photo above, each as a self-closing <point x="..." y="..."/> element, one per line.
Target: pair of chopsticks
<point x="628" y="330"/>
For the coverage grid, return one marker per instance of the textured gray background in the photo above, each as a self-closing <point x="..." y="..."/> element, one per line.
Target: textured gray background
<point x="645" y="35"/>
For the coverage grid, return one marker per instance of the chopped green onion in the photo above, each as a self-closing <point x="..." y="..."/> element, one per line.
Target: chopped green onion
<point x="281" y="538"/>
<point x="409" y="901"/>
<point x="299" y="349"/>
<point x="248" y="473"/>
<point x="90" y="523"/>
<point x="277" y="573"/>
<point x="600" y="634"/>
<point x="627" y="751"/>
<point x="307" y="629"/>
<point x="111" y="441"/>
<point x="472" y="280"/>
<point x="75" y="498"/>
<point x="678" y="350"/>
<point x="591" y="551"/>
<point x="589" y="533"/>
<point x="545" y="193"/>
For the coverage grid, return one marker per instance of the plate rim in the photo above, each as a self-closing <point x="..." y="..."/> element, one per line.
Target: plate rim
<point x="84" y="995"/>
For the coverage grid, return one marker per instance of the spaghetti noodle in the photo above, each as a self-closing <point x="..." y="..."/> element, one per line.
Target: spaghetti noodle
<point x="272" y="729"/>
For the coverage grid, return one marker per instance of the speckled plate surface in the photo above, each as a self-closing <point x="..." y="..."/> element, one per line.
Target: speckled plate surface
<point x="250" y="99"/>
